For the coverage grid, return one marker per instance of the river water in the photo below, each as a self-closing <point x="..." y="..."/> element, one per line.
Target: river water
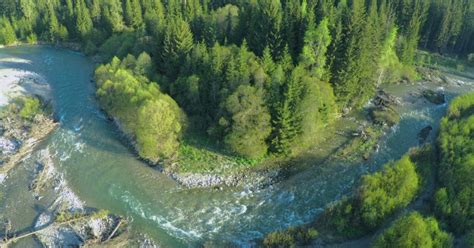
<point x="104" y="173"/>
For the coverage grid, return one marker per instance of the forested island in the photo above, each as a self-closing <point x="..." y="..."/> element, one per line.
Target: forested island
<point x="227" y="88"/>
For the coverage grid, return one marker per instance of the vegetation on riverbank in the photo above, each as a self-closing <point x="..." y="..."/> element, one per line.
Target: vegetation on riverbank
<point x="23" y="123"/>
<point x="454" y="201"/>
<point x="413" y="230"/>
<point x="444" y="186"/>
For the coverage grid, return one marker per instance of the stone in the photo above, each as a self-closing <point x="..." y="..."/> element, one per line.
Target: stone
<point x="435" y="97"/>
<point x="424" y="133"/>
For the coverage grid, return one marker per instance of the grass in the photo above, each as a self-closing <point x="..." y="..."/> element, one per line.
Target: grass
<point x="198" y="154"/>
<point x="362" y="145"/>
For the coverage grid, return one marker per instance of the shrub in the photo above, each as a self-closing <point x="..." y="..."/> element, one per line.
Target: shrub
<point x="293" y="237"/>
<point x="30" y="107"/>
<point x="379" y="195"/>
<point x="279" y="239"/>
<point x="413" y="230"/>
<point x="385" y="116"/>
<point x="32" y="39"/>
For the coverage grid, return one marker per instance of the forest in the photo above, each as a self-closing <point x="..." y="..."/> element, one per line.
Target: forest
<point x="256" y="77"/>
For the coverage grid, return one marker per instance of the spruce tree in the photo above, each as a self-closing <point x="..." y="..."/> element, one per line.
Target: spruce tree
<point x="7" y="34"/>
<point x="113" y="15"/>
<point x="265" y="27"/>
<point x="316" y="42"/>
<point x="133" y="13"/>
<point x="177" y="43"/>
<point x="83" y="20"/>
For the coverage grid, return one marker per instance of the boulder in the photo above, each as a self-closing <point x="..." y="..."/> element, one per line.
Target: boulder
<point x="8" y="146"/>
<point x="435" y="97"/>
<point x="424" y="133"/>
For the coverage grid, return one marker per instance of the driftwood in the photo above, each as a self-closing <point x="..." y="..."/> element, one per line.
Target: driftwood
<point x="15" y="237"/>
<point x="114" y="231"/>
<point x="7" y="241"/>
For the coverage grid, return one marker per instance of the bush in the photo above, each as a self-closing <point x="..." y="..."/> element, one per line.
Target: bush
<point x="30" y="107"/>
<point x="293" y="237"/>
<point x="279" y="239"/>
<point x="414" y="231"/>
<point x="379" y="195"/>
<point x="385" y="116"/>
<point x="32" y="39"/>
<point x="383" y="192"/>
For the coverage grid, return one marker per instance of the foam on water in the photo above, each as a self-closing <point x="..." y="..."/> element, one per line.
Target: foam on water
<point x="137" y="208"/>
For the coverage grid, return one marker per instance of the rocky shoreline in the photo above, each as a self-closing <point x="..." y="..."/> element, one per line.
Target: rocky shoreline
<point x="66" y="221"/>
<point x="21" y="136"/>
<point x="252" y="179"/>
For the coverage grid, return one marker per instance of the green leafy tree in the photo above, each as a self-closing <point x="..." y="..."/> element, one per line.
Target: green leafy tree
<point x="383" y="192"/>
<point x="158" y="130"/>
<point x="413" y="230"/>
<point x="453" y="201"/>
<point x="250" y="122"/>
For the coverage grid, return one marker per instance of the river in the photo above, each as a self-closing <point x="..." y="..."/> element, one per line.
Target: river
<point x="104" y="173"/>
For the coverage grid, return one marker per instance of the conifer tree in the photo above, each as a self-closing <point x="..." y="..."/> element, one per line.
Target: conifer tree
<point x="83" y="20"/>
<point x="7" y="34"/>
<point x="113" y="15"/>
<point x="133" y="13"/>
<point x="265" y="27"/>
<point x="177" y="43"/>
<point x="316" y="42"/>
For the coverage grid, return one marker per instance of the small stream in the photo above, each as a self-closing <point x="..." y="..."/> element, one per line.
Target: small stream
<point x="103" y="172"/>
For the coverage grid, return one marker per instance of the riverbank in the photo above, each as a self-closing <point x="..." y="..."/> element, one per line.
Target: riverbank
<point x="24" y="123"/>
<point x="67" y="221"/>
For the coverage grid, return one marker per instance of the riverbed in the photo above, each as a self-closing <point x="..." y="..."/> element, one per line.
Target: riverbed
<point x="104" y="173"/>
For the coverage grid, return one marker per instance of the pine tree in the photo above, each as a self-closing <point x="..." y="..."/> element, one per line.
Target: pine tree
<point x="287" y="125"/>
<point x="293" y="25"/>
<point x="83" y="20"/>
<point x="7" y="34"/>
<point x="53" y="24"/>
<point x="96" y="11"/>
<point x="316" y="42"/>
<point x="28" y="10"/>
<point x="177" y="43"/>
<point x="113" y="15"/>
<point x="154" y="18"/>
<point x="265" y="27"/>
<point x="410" y="21"/>
<point x="133" y="13"/>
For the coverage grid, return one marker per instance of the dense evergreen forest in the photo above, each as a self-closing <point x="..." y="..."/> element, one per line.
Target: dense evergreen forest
<point x="257" y="77"/>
